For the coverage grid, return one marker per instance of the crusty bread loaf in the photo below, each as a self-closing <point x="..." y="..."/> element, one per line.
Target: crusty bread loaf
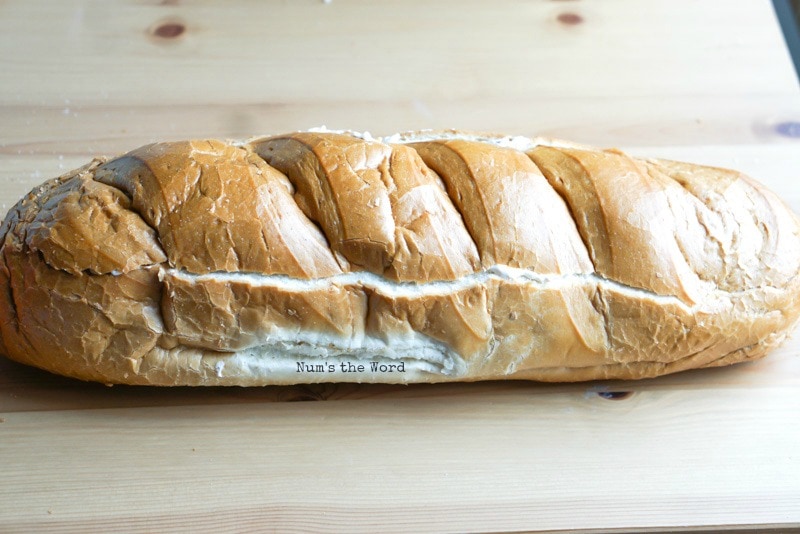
<point x="321" y="256"/>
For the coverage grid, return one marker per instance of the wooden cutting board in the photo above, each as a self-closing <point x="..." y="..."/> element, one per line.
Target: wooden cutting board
<point x="708" y="81"/>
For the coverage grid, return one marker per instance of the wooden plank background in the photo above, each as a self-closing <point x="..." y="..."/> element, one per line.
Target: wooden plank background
<point x="706" y="81"/>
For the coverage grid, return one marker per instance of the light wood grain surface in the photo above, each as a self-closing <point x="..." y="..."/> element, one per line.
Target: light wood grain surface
<point x="706" y="81"/>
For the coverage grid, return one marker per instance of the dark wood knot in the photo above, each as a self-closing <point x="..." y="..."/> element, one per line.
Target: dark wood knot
<point x="615" y="395"/>
<point x="169" y="30"/>
<point x="570" y="19"/>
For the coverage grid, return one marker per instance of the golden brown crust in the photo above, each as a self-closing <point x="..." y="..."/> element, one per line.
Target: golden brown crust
<point x="380" y="207"/>
<point x="230" y="315"/>
<point x="514" y="216"/>
<point x="87" y="226"/>
<point x="618" y="208"/>
<point x="217" y="207"/>
<point x="301" y="257"/>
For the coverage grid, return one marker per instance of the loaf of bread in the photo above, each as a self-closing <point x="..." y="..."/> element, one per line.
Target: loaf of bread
<point x="428" y="257"/>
